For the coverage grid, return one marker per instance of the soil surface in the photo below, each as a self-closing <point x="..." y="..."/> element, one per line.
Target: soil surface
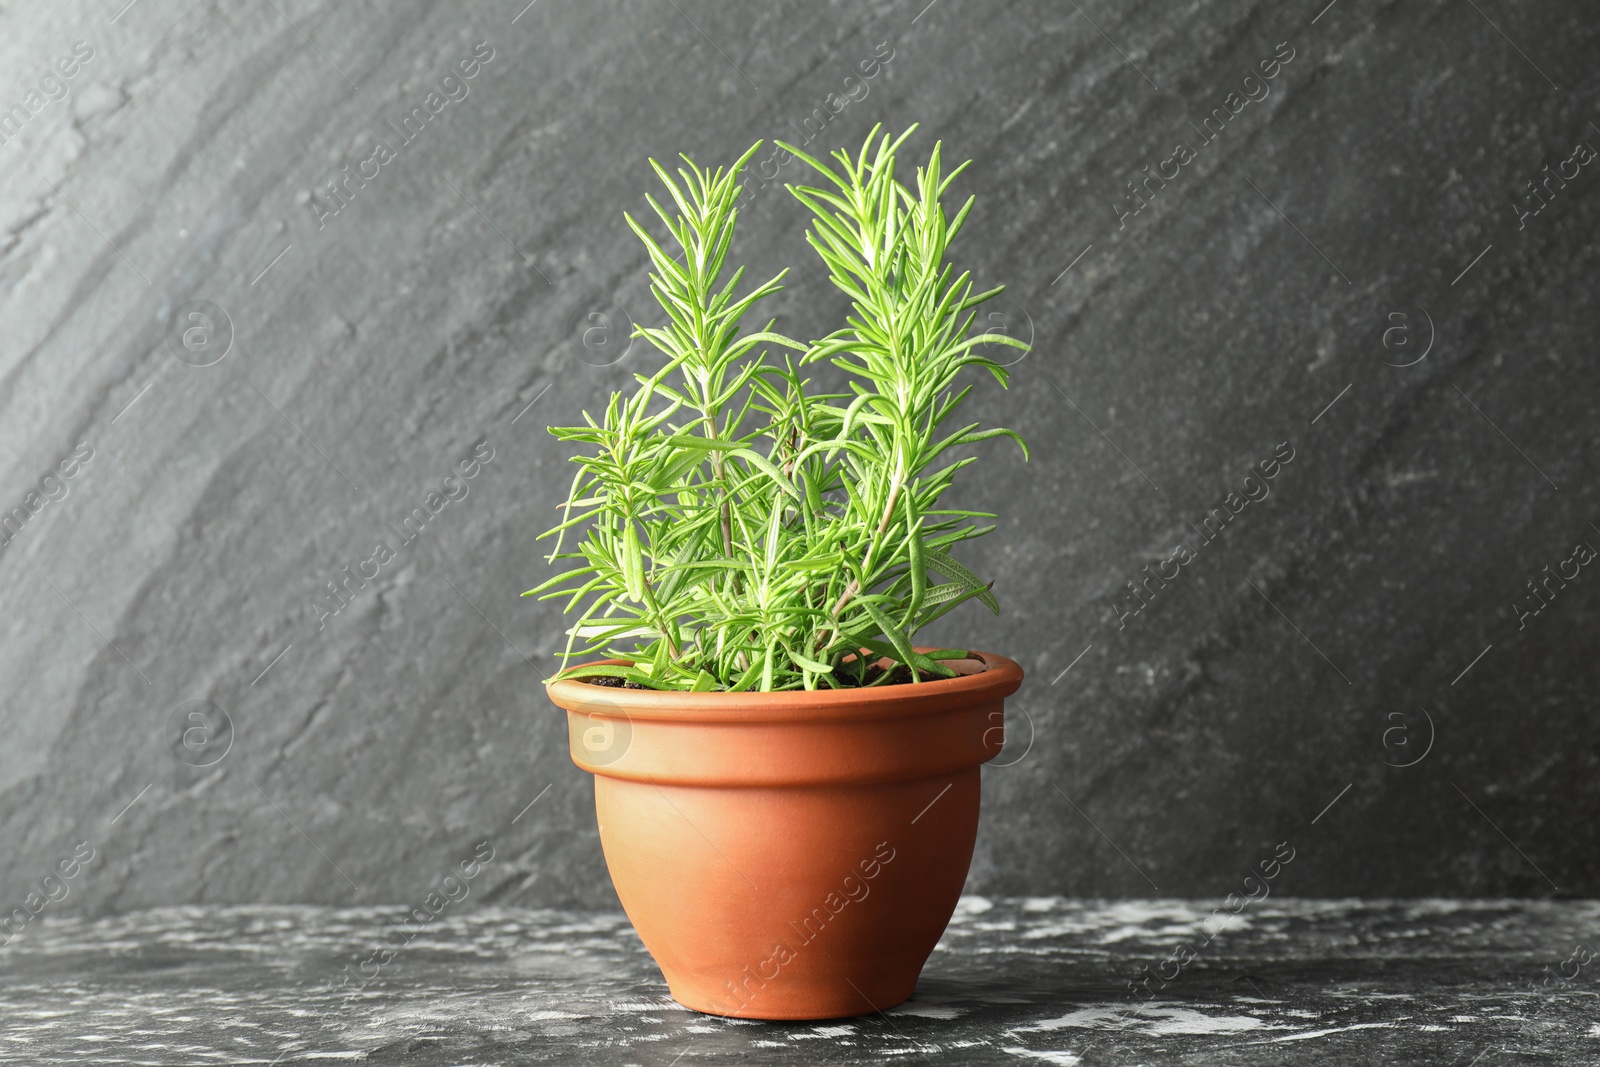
<point x="611" y="683"/>
<point x="899" y="674"/>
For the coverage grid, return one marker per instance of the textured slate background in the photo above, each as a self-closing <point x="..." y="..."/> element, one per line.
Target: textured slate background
<point x="1315" y="645"/>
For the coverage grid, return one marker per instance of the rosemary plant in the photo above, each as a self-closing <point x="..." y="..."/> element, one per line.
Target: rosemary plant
<point x="741" y="532"/>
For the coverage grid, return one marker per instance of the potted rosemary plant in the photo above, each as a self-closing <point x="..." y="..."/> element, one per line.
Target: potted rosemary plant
<point x="786" y="784"/>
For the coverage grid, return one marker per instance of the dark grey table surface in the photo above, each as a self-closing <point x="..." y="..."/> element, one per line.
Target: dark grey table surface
<point x="1016" y="981"/>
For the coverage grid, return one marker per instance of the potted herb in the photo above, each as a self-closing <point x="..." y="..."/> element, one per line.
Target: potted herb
<point x="787" y="786"/>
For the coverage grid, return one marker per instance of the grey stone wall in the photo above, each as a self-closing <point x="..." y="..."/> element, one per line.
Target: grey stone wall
<point x="1344" y="265"/>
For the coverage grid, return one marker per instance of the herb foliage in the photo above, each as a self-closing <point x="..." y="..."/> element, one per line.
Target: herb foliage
<point x="737" y="530"/>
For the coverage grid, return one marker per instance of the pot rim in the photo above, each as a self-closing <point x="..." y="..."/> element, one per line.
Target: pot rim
<point x="998" y="678"/>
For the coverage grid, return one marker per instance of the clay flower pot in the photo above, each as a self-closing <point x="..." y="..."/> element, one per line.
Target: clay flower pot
<point x="790" y="855"/>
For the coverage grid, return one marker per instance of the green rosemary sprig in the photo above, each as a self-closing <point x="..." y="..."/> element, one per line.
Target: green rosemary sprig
<point x="742" y="532"/>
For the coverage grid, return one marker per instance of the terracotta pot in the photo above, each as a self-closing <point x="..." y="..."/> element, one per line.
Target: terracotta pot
<point x="790" y="855"/>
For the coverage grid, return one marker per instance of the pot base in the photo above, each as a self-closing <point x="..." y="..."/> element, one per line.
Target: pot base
<point x="801" y="902"/>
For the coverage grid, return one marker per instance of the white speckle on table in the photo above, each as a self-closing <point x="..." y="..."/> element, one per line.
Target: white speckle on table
<point x="1131" y="920"/>
<point x="927" y="1011"/>
<point x="1148" y="1019"/>
<point x="1062" y="1059"/>
<point x="1335" y="1030"/>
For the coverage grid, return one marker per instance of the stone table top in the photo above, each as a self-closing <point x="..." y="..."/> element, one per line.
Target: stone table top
<point x="1015" y="981"/>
